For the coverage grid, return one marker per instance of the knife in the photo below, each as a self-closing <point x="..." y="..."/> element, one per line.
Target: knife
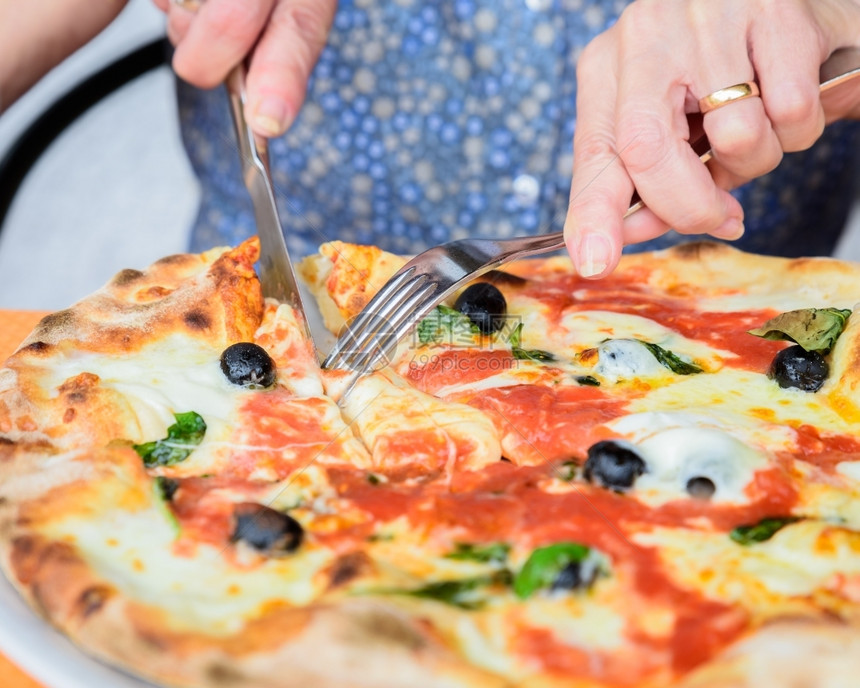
<point x="276" y="270"/>
<point x="277" y="276"/>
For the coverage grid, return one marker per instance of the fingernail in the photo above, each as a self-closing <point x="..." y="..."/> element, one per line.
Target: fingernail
<point x="271" y="117"/>
<point x="731" y="229"/>
<point x="594" y="255"/>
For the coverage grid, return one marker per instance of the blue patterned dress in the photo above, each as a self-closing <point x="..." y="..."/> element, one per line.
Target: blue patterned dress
<point x="433" y="120"/>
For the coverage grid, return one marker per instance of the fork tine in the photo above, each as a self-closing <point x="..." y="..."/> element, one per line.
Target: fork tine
<point x="376" y="346"/>
<point x="360" y="333"/>
<point x="352" y="329"/>
<point x="367" y="327"/>
<point x="410" y="315"/>
<point x="389" y="291"/>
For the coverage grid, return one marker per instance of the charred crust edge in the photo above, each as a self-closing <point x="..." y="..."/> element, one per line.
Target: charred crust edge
<point x="197" y="320"/>
<point x="37" y="347"/>
<point x="55" y="321"/>
<point x="126" y="276"/>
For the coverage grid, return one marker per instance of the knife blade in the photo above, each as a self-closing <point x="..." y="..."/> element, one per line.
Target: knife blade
<point x="277" y="276"/>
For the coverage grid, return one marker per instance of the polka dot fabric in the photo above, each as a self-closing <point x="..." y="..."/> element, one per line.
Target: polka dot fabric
<point x="430" y="121"/>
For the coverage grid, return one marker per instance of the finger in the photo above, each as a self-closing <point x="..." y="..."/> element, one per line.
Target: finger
<point x="282" y="62"/>
<point x="600" y="187"/>
<point x="740" y="132"/>
<point x="643" y="225"/>
<point x="742" y="138"/>
<point x="221" y="34"/>
<point x="163" y="5"/>
<point x="789" y="78"/>
<point x="653" y="135"/>
<point x="178" y="22"/>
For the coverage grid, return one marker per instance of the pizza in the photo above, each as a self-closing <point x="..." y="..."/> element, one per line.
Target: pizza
<point x="648" y="480"/>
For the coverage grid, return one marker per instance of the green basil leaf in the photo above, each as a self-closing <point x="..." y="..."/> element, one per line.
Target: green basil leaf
<point x="815" y="329"/>
<point x="466" y="593"/>
<point x="380" y="537"/>
<point x="496" y="553"/>
<point x="544" y="564"/>
<point x="761" y="531"/>
<point x="444" y="325"/>
<point x="182" y="438"/>
<point x="588" y="381"/>
<point x="536" y="355"/>
<point x="671" y="361"/>
<point x="516" y="337"/>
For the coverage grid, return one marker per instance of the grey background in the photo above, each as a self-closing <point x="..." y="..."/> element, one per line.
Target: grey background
<point x="115" y="190"/>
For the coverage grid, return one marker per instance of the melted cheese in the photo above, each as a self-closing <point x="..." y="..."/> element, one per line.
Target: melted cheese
<point x="174" y="375"/>
<point x="204" y="591"/>
<point x="797" y="561"/>
<point x="675" y="456"/>
<point x="763" y="412"/>
<point x="400" y="425"/>
<point x="850" y="469"/>
<point x="586" y="329"/>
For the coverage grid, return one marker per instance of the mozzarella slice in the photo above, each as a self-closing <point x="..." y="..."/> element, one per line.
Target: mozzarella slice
<point x="677" y="447"/>
<point x="626" y="359"/>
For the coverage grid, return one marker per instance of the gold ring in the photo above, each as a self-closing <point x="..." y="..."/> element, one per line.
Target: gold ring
<point x="732" y="94"/>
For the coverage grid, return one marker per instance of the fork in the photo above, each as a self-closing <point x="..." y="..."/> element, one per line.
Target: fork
<point x="370" y="340"/>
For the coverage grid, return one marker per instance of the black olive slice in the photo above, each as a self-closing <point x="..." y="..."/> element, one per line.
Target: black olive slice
<point x="799" y="368"/>
<point x="484" y="305"/>
<point x="613" y="466"/>
<point x="571" y="578"/>
<point x="266" y="529"/>
<point x="701" y="487"/>
<point x="248" y="365"/>
<point x="577" y="575"/>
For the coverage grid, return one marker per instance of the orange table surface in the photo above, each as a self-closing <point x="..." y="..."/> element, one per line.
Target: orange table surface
<point x="14" y="326"/>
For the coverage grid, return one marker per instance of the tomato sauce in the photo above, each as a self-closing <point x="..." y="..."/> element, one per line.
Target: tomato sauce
<point x="547" y="423"/>
<point x="826" y="451"/>
<point x="432" y="369"/>
<point x="205" y="511"/>
<point x="615" y="668"/>
<point x="279" y="433"/>
<point x="727" y="331"/>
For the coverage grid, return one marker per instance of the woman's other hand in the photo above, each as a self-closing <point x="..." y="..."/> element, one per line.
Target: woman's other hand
<point x="640" y="80"/>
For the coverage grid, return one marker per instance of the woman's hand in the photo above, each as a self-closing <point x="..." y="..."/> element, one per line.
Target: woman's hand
<point x="639" y="81"/>
<point x="283" y="37"/>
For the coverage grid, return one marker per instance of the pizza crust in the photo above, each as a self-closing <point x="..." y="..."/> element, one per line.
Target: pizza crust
<point x="354" y="643"/>
<point x="844" y="384"/>
<point x="792" y="653"/>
